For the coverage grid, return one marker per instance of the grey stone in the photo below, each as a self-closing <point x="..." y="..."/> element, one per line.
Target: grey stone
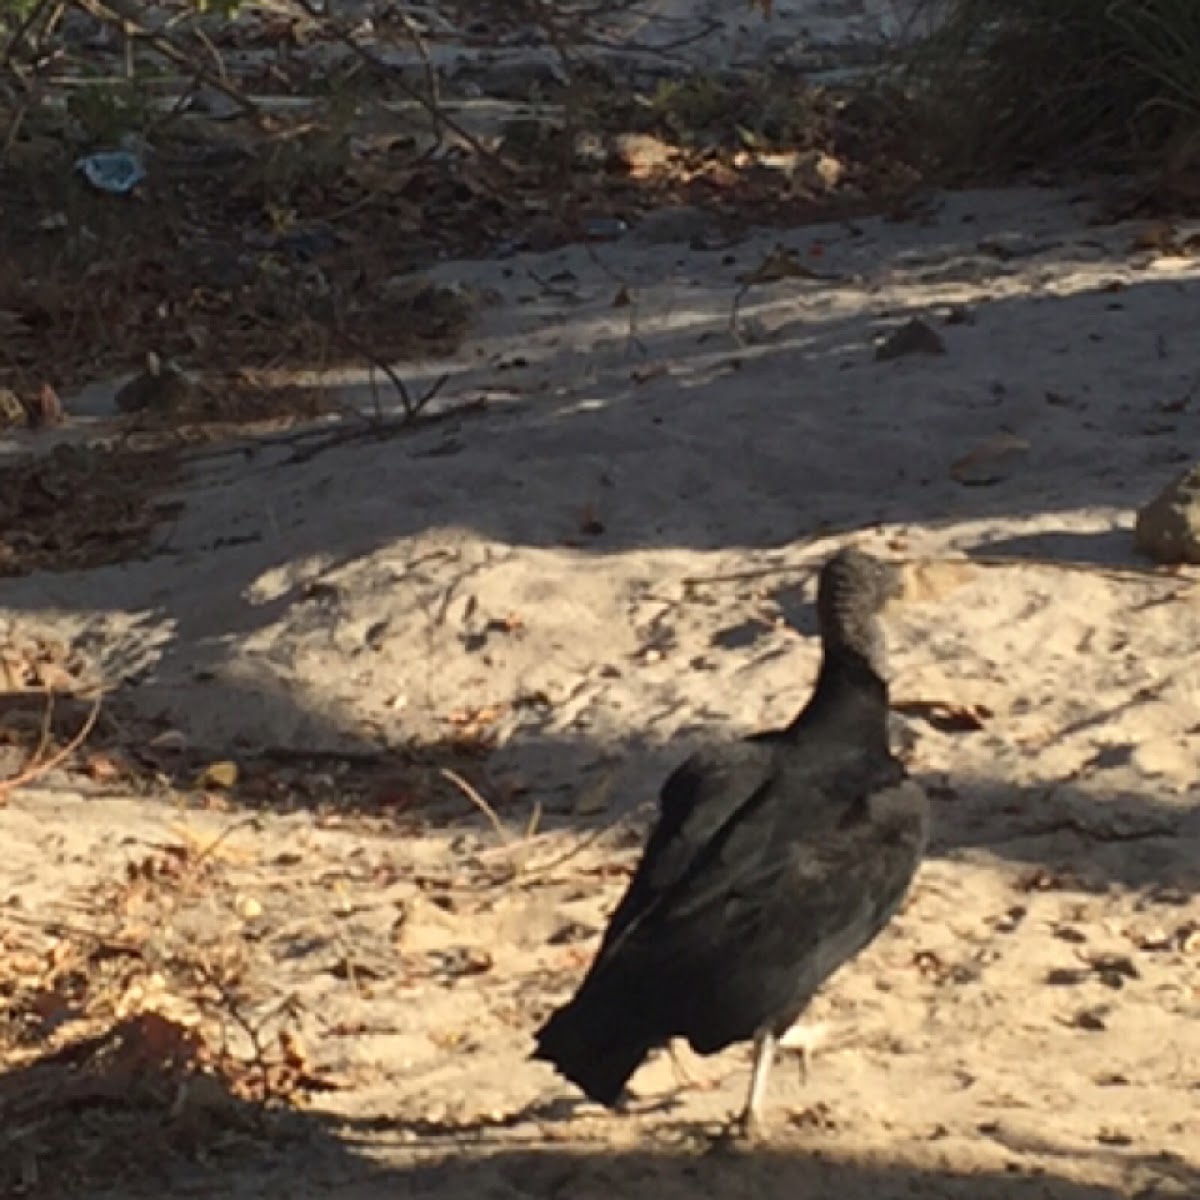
<point x="1168" y="528"/>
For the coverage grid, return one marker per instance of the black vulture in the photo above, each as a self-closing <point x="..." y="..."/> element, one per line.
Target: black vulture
<point x="775" y="859"/>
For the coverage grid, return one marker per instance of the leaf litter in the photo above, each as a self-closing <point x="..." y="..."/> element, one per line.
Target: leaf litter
<point x="277" y="239"/>
<point x="139" y="1031"/>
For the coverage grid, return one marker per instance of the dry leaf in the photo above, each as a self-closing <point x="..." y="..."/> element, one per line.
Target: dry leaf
<point x="642" y="155"/>
<point x="781" y="263"/>
<point x="102" y="767"/>
<point x="294" y="1054"/>
<point x="57" y="679"/>
<point x="475" y="716"/>
<point x="1159" y="235"/>
<point x="12" y="412"/>
<point x="820" y="171"/>
<point x="222" y="774"/>
<point x="945" y="716"/>
<point x="992" y="461"/>
<point x="46" y="411"/>
<point x="649" y="371"/>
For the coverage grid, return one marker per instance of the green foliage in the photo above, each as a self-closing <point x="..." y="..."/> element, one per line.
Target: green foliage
<point x="106" y="110"/>
<point x="762" y="111"/>
<point x="222" y="8"/>
<point x="14" y="12"/>
<point x="1094" y="82"/>
<point x="695" y="102"/>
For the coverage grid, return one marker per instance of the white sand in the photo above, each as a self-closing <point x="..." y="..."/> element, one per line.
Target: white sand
<point x="365" y="596"/>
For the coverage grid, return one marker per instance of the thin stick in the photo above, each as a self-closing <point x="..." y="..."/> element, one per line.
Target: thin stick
<point x="125" y="14"/>
<point x="743" y="576"/>
<point x="1141" y="574"/>
<point x="47" y="725"/>
<point x="57" y="928"/>
<point x="36" y="769"/>
<point x="584" y="842"/>
<point x="480" y="803"/>
<point x="35" y="14"/>
<point x="989" y="561"/>
<point x="244" y="823"/>
<point x="430" y="104"/>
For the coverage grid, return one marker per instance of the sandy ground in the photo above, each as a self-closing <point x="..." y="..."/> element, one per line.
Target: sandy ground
<point x="614" y="560"/>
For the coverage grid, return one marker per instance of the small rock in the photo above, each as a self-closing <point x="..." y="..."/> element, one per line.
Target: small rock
<point x="442" y="306"/>
<point x="1168" y="528"/>
<point x="513" y="78"/>
<point x="913" y="337"/>
<point x="217" y="106"/>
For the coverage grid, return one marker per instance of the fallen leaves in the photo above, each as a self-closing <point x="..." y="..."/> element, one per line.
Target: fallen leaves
<point x="38" y="664"/>
<point x="642" y="155"/>
<point x="154" y="1011"/>
<point x="100" y="766"/>
<point x="474" y="728"/>
<point x="80" y="506"/>
<point x="463" y="718"/>
<point x="45" y="409"/>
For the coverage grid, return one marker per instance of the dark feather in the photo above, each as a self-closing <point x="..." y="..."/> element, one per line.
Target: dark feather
<point x="769" y="867"/>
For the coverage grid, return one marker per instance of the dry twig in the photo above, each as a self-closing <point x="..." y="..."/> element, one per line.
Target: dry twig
<point x="126" y="15"/>
<point x="480" y="803"/>
<point x="429" y="103"/>
<point x="36" y="767"/>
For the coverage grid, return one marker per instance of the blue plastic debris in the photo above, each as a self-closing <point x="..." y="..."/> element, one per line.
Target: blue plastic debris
<point x="117" y="172"/>
<point x="604" y="229"/>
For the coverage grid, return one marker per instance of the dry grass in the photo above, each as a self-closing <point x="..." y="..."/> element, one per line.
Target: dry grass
<point x="1074" y="83"/>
